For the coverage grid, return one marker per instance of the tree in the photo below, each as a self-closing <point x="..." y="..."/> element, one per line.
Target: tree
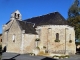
<point x="74" y="17"/>
<point x="74" y="9"/>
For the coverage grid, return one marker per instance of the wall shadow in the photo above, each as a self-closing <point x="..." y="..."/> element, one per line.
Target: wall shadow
<point x="78" y="51"/>
<point x="15" y="56"/>
<point x="8" y="59"/>
<point x="4" y="49"/>
<point x="47" y="58"/>
<point x="12" y="57"/>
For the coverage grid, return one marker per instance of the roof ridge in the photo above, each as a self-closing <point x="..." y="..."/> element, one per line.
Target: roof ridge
<point x="49" y="19"/>
<point x="43" y="15"/>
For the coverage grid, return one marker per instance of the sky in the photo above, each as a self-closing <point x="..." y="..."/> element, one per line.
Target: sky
<point x="32" y="8"/>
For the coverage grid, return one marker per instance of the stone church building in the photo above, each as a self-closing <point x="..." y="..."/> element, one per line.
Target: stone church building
<point x="50" y="32"/>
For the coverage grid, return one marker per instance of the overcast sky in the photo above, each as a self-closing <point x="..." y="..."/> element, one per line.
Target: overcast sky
<point x="32" y="8"/>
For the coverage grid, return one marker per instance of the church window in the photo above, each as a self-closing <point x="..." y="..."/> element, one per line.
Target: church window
<point x="18" y="15"/>
<point x="15" y="14"/>
<point x="49" y="30"/>
<point x="70" y="37"/>
<point x="57" y="36"/>
<point x="70" y="41"/>
<point x="39" y="32"/>
<point x="1" y="40"/>
<point x="13" y="38"/>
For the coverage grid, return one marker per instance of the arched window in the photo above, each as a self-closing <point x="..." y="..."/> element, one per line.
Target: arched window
<point x="1" y="40"/>
<point x="13" y="38"/>
<point x="57" y="36"/>
<point x="49" y="30"/>
<point x="70" y="37"/>
<point x="39" y="32"/>
<point x="18" y="15"/>
<point x="15" y="15"/>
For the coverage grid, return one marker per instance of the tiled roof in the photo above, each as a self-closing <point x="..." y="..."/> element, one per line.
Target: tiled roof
<point x="28" y="27"/>
<point x="54" y="18"/>
<point x="8" y="21"/>
<point x="49" y="19"/>
<point x="0" y="34"/>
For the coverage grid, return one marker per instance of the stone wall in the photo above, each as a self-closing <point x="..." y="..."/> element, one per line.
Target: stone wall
<point x="15" y="40"/>
<point x="48" y="37"/>
<point x="4" y="34"/>
<point x="0" y="39"/>
<point x="29" y="43"/>
<point x="25" y="43"/>
<point x="14" y="43"/>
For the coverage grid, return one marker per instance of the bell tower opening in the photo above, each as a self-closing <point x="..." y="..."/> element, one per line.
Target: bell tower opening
<point x="16" y="15"/>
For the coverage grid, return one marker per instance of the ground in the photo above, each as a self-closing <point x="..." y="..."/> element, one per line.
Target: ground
<point x="14" y="56"/>
<point x="0" y="50"/>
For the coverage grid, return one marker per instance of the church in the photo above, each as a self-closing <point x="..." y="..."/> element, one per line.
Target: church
<point x="50" y="33"/>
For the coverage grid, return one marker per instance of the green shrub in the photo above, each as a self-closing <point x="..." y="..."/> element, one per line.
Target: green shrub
<point x="70" y="41"/>
<point x="57" y="40"/>
<point x="31" y="54"/>
<point x="67" y="56"/>
<point x="37" y="39"/>
<point x="38" y="47"/>
<point x="61" y="57"/>
<point x="77" y="43"/>
<point x="44" y="47"/>
<point x="55" y="56"/>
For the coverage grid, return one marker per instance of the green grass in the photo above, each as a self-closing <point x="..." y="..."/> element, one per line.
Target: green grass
<point x="61" y="57"/>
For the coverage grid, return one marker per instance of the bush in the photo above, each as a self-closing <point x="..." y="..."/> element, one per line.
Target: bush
<point x="38" y="47"/>
<point x="66" y="56"/>
<point x="31" y="54"/>
<point x="37" y="39"/>
<point x="55" y="56"/>
<point x="61" y="57"/>
<point x="57" y="40"/>
<point x="70" y="41"/>
<point x="77" y="43"/>
<point x="44" y="47"/>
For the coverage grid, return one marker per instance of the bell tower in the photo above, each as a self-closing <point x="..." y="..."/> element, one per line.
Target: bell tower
<point x="16" y="15"/>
